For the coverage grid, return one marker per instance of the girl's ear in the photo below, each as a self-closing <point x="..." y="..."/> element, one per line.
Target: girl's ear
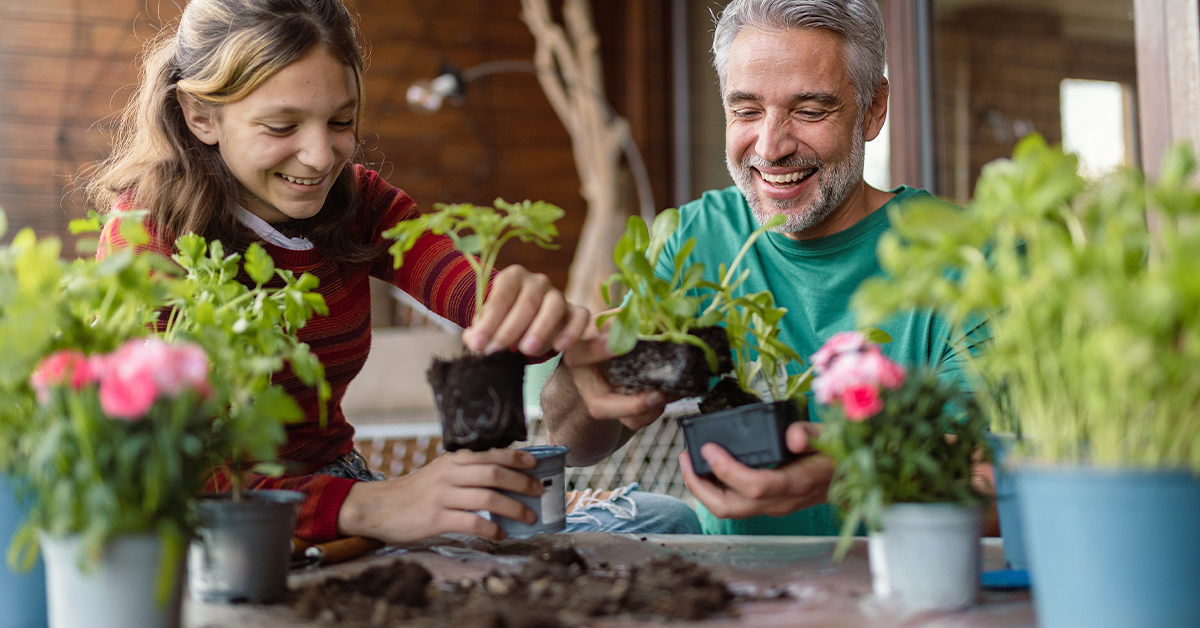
<point x="199" y="117"/>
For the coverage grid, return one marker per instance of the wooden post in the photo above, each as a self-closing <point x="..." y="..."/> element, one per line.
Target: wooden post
<point x="1168" y="76"/>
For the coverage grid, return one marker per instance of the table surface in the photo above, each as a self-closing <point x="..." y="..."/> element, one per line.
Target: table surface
<point x="795" y="580"/>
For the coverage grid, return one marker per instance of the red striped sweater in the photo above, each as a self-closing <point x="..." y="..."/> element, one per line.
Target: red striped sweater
<point x="434" y="272"/>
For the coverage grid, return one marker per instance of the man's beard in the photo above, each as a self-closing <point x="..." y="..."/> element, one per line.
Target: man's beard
<point x="835" y="182"/>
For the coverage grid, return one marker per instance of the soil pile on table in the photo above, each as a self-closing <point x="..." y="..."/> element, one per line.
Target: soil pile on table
<point x="554" y="589"/>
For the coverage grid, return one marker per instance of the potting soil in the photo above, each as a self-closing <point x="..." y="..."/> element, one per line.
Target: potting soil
<point x="556" y="588"/>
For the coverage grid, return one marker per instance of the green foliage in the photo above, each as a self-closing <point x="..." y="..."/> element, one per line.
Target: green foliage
<point x="665" y="310"/>
<point x="918" y="449"/>
<point x="98" y="477"/>
<point x="250" y="332"/>
<point x="1094" y="313"/>
<point x="654" y="308"/>
<point x="479" y="232"/>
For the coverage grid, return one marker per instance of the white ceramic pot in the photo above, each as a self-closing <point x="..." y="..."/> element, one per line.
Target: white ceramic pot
<point x="117" y="593"/>
<point x="930" y="556"/>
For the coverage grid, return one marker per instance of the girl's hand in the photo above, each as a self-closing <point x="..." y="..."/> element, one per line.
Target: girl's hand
<point x="440" y="497"/>
<point x="525" y="312"/>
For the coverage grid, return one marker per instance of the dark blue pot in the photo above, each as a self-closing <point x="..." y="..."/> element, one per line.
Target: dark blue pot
<point x="1007" y="504"/>
<point x="22" y="594"/>
<point x="1112" y="548"/>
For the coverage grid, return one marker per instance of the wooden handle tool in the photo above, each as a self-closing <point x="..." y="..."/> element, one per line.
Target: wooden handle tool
<point x="341" y="550"/>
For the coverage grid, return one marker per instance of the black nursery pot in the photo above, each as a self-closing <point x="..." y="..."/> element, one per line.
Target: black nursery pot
<point x="480" y="399"/>
<point x="672" y="367"/>
<point x="754" y="434"/>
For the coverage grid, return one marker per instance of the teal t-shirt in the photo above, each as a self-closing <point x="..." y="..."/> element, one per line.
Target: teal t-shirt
<point x="814" y="280"/>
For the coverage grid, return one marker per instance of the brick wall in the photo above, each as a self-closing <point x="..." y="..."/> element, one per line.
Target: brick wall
<point x="66" y="64"/>
<point x="1000" y="71"/>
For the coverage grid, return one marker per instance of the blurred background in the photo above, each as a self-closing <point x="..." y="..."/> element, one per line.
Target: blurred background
<point x="1114" y="80"/>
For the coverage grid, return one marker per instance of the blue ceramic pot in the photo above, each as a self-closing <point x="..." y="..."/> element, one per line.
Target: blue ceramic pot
<point x="22" y="593"/>
<point x="1007" y="504"/>
<point x="1112" y="548"/>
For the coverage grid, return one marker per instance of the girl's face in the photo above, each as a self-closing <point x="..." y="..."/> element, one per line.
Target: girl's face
<point x="288" y="140"/>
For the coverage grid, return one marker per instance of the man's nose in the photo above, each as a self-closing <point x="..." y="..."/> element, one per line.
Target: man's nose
<point x="775" y="137"/>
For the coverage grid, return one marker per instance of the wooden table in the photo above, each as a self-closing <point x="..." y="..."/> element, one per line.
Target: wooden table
<point x="817" y="592"/>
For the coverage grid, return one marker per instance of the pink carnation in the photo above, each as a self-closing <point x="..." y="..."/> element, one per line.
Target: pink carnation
<point x="879" y="369"/>
<point x="861" y="401"/>
<point x="127" y="394"/>
<point x="139" y="371"/>
<point x="62" y="367"/>
<point x="838" y="344"/>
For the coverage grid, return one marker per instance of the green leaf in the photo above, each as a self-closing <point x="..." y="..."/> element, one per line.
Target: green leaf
<point x="259" y="265"/>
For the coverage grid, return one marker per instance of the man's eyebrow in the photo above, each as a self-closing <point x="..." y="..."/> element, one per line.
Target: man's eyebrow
<point x="820" y="98"/>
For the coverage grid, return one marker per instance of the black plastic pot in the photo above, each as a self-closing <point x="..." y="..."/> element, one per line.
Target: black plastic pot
<point x="672" y="367"/>
<point x="480" y="399"/>
<point x="243" y="549"/>
<point x="754" y="434"/>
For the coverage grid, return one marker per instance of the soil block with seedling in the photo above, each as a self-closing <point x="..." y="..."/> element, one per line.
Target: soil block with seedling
<point x="479" y="397"/>
<point x="673" y="367"/>
<point x="666" y="332"/>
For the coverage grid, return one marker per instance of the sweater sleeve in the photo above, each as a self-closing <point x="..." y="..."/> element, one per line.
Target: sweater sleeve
<point x="433" y="272"/>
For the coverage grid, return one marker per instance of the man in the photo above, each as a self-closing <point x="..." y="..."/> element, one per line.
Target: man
<point x="803" y="89"/>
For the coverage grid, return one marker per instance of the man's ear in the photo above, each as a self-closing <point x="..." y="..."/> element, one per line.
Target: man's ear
<point x="877" y="112"/>
<point x="200" y="118"/>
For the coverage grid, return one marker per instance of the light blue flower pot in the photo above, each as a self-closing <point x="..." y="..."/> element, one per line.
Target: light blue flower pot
<point x="22" y="593"/>
<point x="1112" y="548"/>
<point x="1007" y="504"/>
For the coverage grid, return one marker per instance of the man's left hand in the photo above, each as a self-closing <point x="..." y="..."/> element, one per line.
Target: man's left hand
<point x="746" y="492"/>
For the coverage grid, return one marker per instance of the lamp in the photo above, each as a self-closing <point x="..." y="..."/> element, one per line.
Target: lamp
<point x="426" y="96"/>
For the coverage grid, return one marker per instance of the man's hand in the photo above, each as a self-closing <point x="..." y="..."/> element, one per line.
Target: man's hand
<point x="746" y="492"/>
<point x="633" y="410"/>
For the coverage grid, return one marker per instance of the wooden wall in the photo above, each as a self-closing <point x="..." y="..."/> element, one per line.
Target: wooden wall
<point x="65" y="65"/>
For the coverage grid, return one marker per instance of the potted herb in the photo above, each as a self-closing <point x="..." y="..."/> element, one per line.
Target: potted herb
<point x="1090" y="293"/>
<point x="903" y="444"/>
<point x="480" y="397"/>
<point x="242" y="548"/>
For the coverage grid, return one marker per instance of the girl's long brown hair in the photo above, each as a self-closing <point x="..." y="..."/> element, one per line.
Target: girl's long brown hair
<point x="220" y="52"/>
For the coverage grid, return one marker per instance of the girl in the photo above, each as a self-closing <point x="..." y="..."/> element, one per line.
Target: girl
<point x="242" y="129"/>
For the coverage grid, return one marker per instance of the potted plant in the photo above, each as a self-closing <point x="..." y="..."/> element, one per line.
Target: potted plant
<point x="903" y="444"/>
<point x="748" y="411"/>
<point x="1092" y="306"/>
<point x="480" y="397"/>
<point x="95" y="486"/>
<point x="242" y="550"/>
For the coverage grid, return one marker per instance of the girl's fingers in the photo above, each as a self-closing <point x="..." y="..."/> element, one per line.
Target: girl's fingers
<point x="473" y="499"/>
<point x="575" y="329"/>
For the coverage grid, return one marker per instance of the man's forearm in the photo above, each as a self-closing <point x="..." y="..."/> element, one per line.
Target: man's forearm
<point x="568" y="422"/>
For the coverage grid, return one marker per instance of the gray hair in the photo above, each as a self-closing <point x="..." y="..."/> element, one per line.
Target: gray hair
<point x="859" y="24"/>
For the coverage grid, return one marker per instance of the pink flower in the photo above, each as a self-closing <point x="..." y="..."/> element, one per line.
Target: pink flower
<point x="127" y="395"/>
<point x="67" y="366"/>
<point x="838" y="344"/>
<point x="173" y="368"/>
<point x="879" y="369"/>
<point x="860" y="401"/>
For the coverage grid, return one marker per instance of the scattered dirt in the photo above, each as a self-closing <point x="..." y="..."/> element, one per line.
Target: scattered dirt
<point x="726" y="394"/>
<point x="671" y="367"/>
<point x="480" y="399"/>
<point x="554" y="589"/>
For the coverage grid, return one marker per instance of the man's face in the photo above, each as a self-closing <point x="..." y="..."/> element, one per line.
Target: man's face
<point x="793" y="133"/>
